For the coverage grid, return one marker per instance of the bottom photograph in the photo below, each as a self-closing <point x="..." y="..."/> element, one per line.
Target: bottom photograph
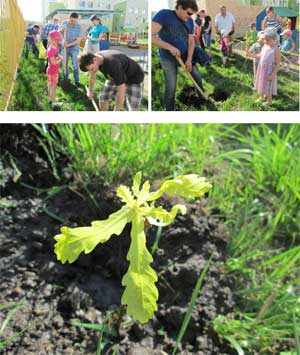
<point x="149" y="239"/>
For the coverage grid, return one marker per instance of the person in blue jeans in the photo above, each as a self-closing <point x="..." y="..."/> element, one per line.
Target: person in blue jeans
<point x="173" y="33"/>
<point x="31" y="40"/>
<point x="73" y="37"/>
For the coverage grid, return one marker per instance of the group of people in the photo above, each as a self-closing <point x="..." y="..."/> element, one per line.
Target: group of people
<point x="175" y="31"/>
<point x="124" y="77"/>
<point x="177" y="34"/>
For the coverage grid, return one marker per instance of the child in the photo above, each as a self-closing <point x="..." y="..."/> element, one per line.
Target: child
<point x="251" y="35"/>
<point x="287" y="46"/>
<point x="256" y="49"/>
<point x="225" y="45"/>
<point x="54" y="60"/>
<point x="269" y="64"/>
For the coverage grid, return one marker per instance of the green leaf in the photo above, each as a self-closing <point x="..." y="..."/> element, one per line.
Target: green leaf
<point x="140" y="293"/>
<point x="142" y="197"/>
<point x="73" y="241"/>
<point x="158" y="216"/>
<point x="126" y="195"/>
<point x="136" y="183"/>
<point x="187" y="186"/>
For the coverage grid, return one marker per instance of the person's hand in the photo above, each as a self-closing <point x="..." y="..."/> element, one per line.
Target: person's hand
<point x="189" y="66"/>
<point x="66" y="45"/>
<point x="90" y="94"/>
<point x="174" y="51"/>
<point x="271" y="77"/>
<point x="247" y="52"/>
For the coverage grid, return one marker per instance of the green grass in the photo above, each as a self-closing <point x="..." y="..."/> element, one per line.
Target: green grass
<point x="255" y="173"/>
<point x="30" y="90"/>
<point x="236" y="80"/>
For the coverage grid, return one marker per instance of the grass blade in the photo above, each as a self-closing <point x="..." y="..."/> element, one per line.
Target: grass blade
<point x="188" y="315"/>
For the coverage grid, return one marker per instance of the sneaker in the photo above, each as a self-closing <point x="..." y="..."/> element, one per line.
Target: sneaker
<point x="56" y="104"/>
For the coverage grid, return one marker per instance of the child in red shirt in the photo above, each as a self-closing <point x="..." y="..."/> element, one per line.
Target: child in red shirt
<point x="54" y="60"/>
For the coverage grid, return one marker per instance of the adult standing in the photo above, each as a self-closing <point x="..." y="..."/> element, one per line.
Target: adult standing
<point x="198" y="30"/>
<point x="124" y="78"/>
<point x="273" y="21"/>
<point x="73" y="31"/>
<point x="173" y="33"/>
<point x="225" y="22"/>
<point x="94" y="35"/>
<point x="206" y="29"/>
<point x="31" y="40"/>
<point x="51" y="26"/>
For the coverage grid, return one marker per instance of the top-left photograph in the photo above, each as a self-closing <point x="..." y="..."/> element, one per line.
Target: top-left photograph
<point x="74" y="55"/>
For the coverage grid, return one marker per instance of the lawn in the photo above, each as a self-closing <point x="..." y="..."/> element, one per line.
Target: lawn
<point x="229" y="87"/>
<point x="30" y="90"/>
<point x="248" y="224"/>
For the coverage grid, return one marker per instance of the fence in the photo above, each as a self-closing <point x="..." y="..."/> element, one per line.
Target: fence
<point x="12" y="30"/>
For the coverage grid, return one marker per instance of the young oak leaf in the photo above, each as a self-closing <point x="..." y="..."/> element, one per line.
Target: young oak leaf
<point x="158" y="216"/>
<point x="140" y="293"/>
<point x="187" y="186"/>
<point x="72" y="241"/>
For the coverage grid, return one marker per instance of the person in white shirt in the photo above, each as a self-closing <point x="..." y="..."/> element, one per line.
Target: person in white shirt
<point x="225" y="21"/>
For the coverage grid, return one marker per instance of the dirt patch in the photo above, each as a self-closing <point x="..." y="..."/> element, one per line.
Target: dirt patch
<point x="191" y="97"/>
<point x="220" y="95"/>
<point x="54" y="294"/>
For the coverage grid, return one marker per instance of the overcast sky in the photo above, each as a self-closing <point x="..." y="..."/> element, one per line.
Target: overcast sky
<point x="156" y="5"/>
<point x="31" y="9"/>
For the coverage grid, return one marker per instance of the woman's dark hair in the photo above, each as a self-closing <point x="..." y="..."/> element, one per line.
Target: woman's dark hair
<point x="270" y="8"/>
<point x="85" y="60"/>
<point x="187" y="4"/>
<point x="74" y="15"/>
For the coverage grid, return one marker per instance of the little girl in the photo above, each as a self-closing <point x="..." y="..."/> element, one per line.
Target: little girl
<point x="256" y="49"/>
<point x="225" y="45"/>
<point x="54" y="60"/>
<point x="269" y="64"/>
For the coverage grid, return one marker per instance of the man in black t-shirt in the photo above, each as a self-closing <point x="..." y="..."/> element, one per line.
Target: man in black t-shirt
<point x="124" y="78"/>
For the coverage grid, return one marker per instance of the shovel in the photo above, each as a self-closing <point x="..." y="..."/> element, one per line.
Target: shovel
<point x="193" y="80"/>
<point x="65" y="83"/>
<point x="93" y="101"/>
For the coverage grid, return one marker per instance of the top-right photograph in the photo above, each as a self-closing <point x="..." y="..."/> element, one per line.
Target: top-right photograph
<point x="225" y="55"/>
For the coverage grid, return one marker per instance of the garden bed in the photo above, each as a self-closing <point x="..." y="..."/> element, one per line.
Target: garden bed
<point x="54" y="295"/>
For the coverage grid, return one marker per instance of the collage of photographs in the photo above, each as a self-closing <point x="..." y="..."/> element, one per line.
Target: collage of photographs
<point x="142" y="231"/>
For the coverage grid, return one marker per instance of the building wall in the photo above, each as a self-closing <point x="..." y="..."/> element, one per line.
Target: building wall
<point x="137" y="15"/>
<point x="243" y="14"/>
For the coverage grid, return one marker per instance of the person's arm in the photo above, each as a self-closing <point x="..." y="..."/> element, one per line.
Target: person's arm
<point x="251" y="54"/>
<point x="156" y="41"/>
<point x="281" y="21"/>
<point x="92" y="84"/>
<point x="74" y="43"/>
<point x="120" y="98"/>
<point x="264" y="23"/>
<point x="209" y="26"/>
<point x="277" y="65"/>
<point x="55" y="61"/>
<point x="191" y="47"/>
<point x="292" y="48"/>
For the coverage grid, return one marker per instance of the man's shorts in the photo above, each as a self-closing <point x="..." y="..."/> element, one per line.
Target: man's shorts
<point x="52" y="78"/>
<point x="133" y="95"/>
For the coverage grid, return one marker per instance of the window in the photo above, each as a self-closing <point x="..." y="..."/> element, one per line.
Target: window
<point x="108" y="7"/>
<point x="90" y="4"/>
<point x="81" y="3"/>
<point x="100" y="5"/>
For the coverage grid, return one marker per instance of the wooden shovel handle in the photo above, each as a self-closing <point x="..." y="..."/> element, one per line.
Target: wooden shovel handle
<point x="191" y="77"/>
<point x="65" y="53"/>
<point x="93" y="101"/>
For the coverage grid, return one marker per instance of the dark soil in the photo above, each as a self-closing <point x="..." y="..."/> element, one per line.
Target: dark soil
<point x="220" y="95"/>
<point x="56" y="294"/>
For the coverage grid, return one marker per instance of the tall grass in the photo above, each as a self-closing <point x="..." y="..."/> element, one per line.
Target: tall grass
<point x="255" y="173"/>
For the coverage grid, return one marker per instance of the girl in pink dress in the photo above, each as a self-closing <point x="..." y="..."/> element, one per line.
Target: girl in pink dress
<point x="54" y="60"/>
<point x="269" y="64"/>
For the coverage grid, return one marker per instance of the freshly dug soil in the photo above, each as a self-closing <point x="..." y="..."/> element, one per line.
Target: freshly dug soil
<point x="220" y="95"/>
<point x="191" y="97"/>
<point x="54" y="295"/>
